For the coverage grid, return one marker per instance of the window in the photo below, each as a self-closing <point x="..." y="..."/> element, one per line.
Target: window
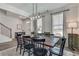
<point x="57" y="24"/>
<point x="39" y="25"/>
<point x="32" y="27"/>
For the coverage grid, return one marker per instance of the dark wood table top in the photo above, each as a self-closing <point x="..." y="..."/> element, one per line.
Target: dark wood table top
<point x="46" y="44"/>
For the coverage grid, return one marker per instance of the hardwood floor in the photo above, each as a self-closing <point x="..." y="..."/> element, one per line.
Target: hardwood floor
<point x="7" y="45"/>
<point x="9" y="48"/>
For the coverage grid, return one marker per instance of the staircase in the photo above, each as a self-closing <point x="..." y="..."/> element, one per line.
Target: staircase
<point x="5" y="33"/>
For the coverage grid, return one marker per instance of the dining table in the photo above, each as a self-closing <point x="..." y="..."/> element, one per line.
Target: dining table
<point x="47" y="44"/>
<point x="47" y="41"/>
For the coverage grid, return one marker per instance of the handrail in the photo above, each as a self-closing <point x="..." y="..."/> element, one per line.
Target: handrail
<point x="5" y="26"/>
<point x="5" y="30"/>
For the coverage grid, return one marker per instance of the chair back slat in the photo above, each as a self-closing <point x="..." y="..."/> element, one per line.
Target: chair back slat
<point x="26" y="40"/>
<point x="18" y="36"/>
<point x="38" y="42"/>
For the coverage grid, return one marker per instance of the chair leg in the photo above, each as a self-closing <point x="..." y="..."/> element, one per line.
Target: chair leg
<point x="50" y="54"/>
<point x="20" y="48"/>
<point x="17" y="47"/>
<point x="28" y="52"/>
<point x="23" y="52"/>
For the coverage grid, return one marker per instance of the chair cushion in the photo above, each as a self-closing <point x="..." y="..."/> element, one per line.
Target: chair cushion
<point x="55" y="50"/>
<point x="28" y="46"/>
<point x="40" y="52"/>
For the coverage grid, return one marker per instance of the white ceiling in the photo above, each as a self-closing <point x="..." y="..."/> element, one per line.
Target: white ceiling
<point x="41" y="7"/>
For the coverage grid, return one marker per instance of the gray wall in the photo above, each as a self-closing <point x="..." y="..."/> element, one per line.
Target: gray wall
<point x="10" y="20"/>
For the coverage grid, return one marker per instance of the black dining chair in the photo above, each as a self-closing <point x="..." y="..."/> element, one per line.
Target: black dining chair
<point x="58" y="50"/>
<point x="28" y="46"/>
<point x="16" y="33"/>
<point x="19" y="42"/>
<point x="39" y="49"/>
<point x="18" y="36"/>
